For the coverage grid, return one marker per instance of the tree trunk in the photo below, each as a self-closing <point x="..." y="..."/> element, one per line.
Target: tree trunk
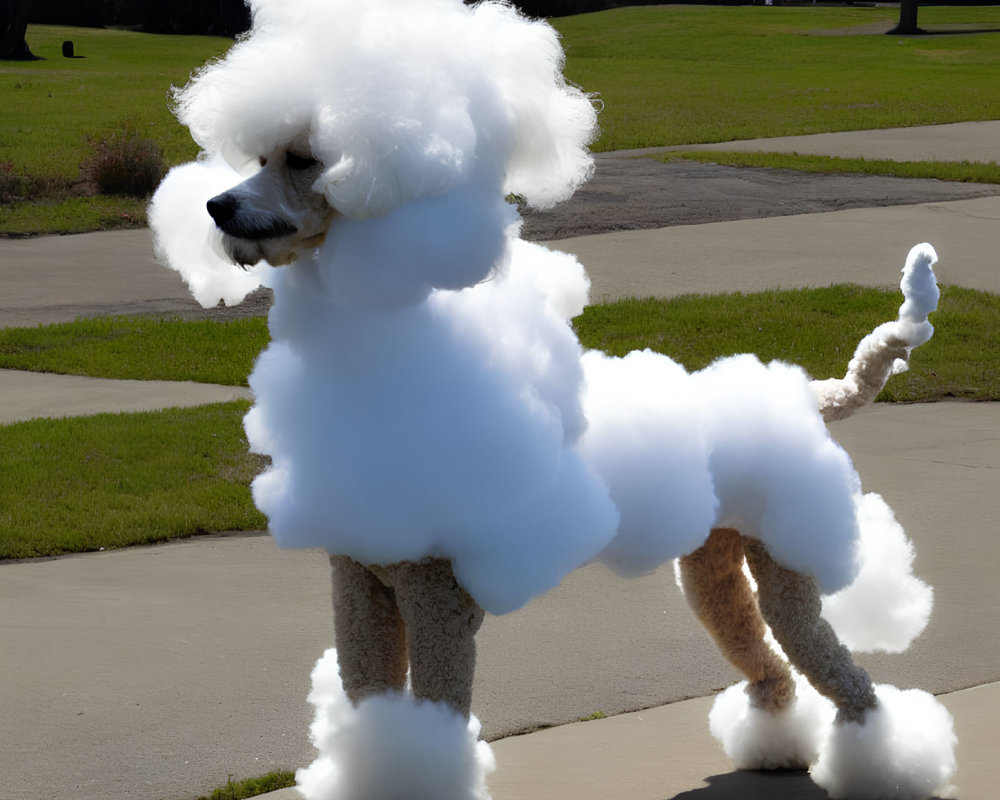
<point x="13" y="25"/>
<point x="907" y="19"/>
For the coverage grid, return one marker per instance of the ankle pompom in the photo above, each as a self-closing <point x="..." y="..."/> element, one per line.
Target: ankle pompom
<point x="390" y="746"/>
<point x="758" y="739"/>
<point x="903" y="750"/>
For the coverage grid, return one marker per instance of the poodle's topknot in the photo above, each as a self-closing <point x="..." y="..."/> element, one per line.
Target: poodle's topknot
<point x="402" y="100"/>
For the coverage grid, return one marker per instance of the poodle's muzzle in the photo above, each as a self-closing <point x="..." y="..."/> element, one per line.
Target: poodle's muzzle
<point x="235" y="218"/>
<point x="276" y="215"/>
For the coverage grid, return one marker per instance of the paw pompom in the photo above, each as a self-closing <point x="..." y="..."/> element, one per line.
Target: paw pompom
<point x="391" y="745"/>
<point x="904" y="750"/>
<point x="758" y="739"/>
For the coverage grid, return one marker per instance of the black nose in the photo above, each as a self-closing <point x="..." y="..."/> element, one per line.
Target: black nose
<point x="223" y="208"/>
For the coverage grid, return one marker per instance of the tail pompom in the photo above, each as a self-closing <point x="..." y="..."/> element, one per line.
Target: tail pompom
<point x="903" y="750"/>
<point x="390" y="745"/>
<point x="920" y="293"/>
<point x="886" y="350"/>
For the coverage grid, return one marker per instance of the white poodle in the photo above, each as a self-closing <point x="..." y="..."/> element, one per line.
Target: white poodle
<point x="433" y="423"/>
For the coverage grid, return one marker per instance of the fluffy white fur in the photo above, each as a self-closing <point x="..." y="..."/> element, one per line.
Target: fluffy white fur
<point x="186" y="238"/>
<point x="447" y="428"/>
<point x="755" y="739"/>
<point x="424" y="393"/>
<point x="739" y="444"/>
<point x="904" y="750"/>
<point x="886" y="607"/>
<point x="391" y="123"/>
<point x="387" y="743"/>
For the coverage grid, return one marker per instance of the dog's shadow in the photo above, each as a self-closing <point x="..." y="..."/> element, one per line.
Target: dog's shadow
<point x="780" y="784"/>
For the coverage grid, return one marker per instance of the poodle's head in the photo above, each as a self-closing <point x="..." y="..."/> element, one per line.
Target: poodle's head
<point x="276" y="214"/>
<point x="337" y="110"/>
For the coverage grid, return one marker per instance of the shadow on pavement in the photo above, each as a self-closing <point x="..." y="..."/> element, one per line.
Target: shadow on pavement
<point x="782" y="784"/>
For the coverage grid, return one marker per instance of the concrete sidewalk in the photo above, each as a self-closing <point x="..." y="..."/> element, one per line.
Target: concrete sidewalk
<point x="157" y="672"/>
<point x="30" y="395"/>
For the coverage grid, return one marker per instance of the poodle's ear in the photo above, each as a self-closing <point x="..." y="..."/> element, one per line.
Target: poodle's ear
<point x="185" y="237"/>
<point x="552" y="122"/>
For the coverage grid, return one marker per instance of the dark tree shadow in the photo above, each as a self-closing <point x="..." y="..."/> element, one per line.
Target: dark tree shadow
<point x="922" y="32"/>
<point x="758" y="785"/>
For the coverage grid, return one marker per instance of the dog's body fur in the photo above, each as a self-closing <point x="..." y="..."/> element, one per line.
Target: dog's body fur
<point x="420" y="613"/>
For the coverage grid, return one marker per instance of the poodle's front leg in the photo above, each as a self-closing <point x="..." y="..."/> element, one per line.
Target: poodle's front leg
<point x="368" y="631"/>
<point x="441" y="623"/>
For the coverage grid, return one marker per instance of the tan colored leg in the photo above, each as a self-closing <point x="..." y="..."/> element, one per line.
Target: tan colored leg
<point x="719" y="594"/>
<point x="791" y="605"/>
<point x="368" y="631"/>
<point x="441" y="623"/>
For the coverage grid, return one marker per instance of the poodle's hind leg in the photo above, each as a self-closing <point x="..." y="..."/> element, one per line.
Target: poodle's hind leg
<point x="767" y="722"/>
<point x="441" y="623"/>
<point x="720" y="596"/>
<point x="368" y="631"/>
<point x="791" y="604"/>
<point x="885" y="743"/>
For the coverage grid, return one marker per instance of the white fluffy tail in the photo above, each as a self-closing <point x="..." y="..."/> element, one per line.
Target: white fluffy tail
<point x="885" y="351"/>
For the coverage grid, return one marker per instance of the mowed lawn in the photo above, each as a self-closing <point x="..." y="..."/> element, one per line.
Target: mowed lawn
<point x="685" y="74"/>
<point x="664" y="75"/>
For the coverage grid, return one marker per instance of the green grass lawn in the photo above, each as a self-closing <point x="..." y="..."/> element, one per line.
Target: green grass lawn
<point x="139" y="348"/>
<point x="664" y="75"/>
<point x="686" y="74"/>
<point x="815" y="328"/>
<point x="672" y="74"/>
<point x="251" y="787"/>
<point x="53" y="109"/>
<point x="115" y="480"/>
<point x="119" y="480"/>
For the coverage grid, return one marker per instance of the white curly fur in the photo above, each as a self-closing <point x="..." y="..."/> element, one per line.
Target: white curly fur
<point x="424" y="394"/>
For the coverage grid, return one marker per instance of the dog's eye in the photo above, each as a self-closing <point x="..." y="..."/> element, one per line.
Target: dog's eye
<point x="299" y="162"/>
<point x="263" y="161"/>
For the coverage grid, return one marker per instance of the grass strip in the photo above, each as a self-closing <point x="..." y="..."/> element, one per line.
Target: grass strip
<point x="139" y="348"/>
<point x="115" y="480"/>
<point x="59" y="215"/>
<point x="252" y="787"/>
<point x="815" y="328"/>
<point x="78" y="484"/>
<point x="960" y="171"/>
